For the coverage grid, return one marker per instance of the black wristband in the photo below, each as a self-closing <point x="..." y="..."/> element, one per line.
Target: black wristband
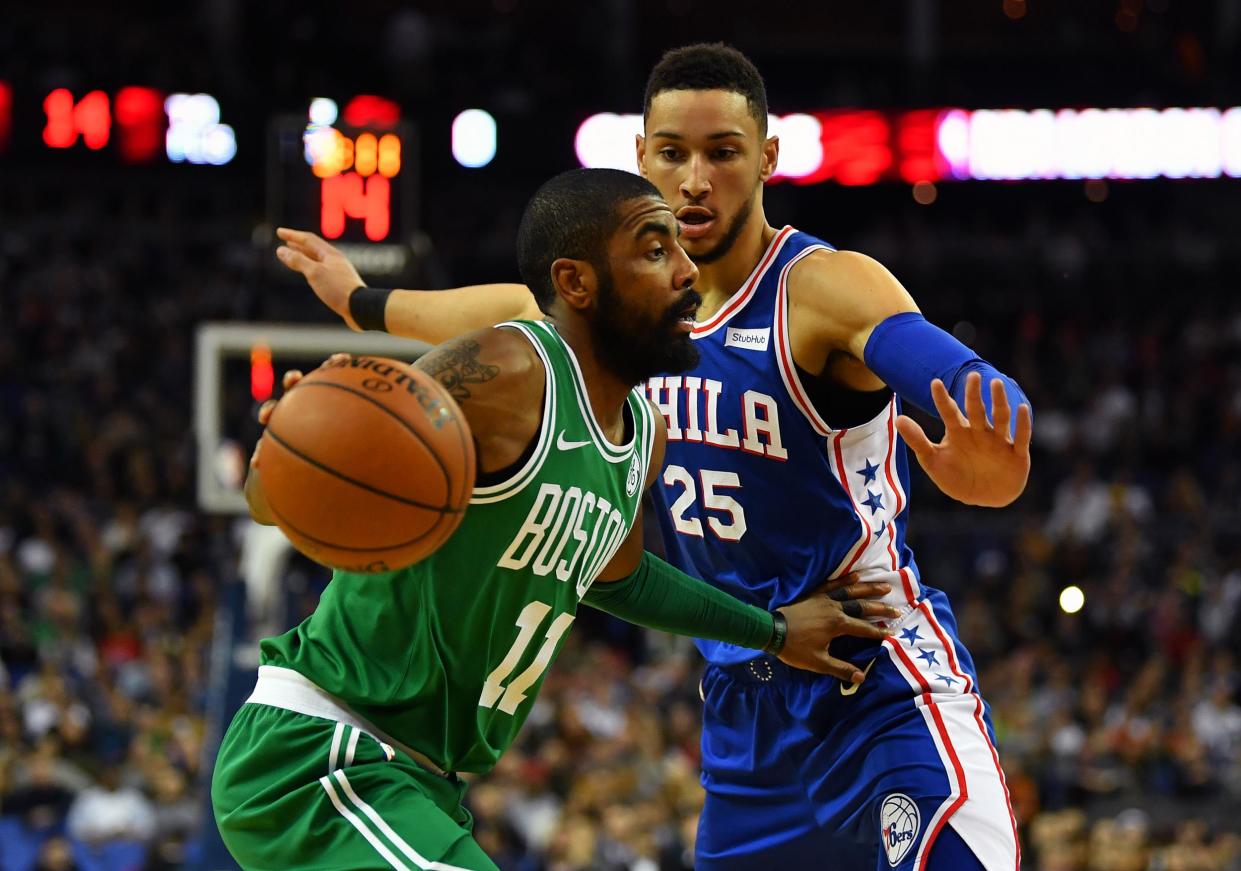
<point x="779" y="634"/>
<point x="366" y="307"/>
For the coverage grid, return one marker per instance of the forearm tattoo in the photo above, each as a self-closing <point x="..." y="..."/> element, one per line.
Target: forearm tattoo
<point x="456" y="366"/>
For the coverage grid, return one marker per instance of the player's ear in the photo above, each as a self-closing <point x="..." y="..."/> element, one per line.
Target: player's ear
<point x="770" y="157"/>
<point x="575" y="281"/>
<point x="639" y="142"/>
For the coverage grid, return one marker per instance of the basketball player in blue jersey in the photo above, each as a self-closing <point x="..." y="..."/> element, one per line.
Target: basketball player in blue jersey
<point x="783" y="467"/>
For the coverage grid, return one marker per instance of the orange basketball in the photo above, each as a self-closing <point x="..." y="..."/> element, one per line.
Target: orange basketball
<point x="367" y="465"/>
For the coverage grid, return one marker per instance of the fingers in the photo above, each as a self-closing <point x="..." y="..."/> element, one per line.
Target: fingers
<point x="915" y="437"/>
<point x="851" y="586"/>
<point x="340" y="358"/>
<point x="265" y="411"/>
<point x="825" y="664"/>
<point x="861" y="590"/>
<point x="288" y="382"/>
<point x="858" y="609"/>
<point x="975" y="411"/>
<point x="254" y="457"/>
<point x="295" y="260"/>
<point x="947" y="407"/>
<point x="876" y="610"/>
<point x="308" y="243"/>
<point x="1001" y="411"/>
<point x="838" y="583"/>
<point x="1025" y="426"/>
<point x="861" y="629"/>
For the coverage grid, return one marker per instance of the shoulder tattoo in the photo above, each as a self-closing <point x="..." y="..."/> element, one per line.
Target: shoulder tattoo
<point x="456" y="366"/>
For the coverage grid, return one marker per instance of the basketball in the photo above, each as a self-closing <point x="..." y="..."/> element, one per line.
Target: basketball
<point x="367" y="464"/>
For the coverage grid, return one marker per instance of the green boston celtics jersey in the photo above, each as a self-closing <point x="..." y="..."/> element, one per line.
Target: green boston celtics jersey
<point x="447" y="655"/>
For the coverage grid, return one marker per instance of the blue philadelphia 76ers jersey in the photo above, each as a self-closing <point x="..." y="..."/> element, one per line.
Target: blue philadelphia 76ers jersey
<point x="759" y="495"/>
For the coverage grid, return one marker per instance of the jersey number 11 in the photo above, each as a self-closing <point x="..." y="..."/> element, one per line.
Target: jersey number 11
<point x="528" y="621"/>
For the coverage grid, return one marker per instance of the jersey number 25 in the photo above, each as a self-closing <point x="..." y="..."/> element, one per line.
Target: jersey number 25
<point x="712" y="500"/>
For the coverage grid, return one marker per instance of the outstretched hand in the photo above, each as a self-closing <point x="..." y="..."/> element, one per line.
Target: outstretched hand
<point x="328" y="272"/>
<point x="978" y="462"/>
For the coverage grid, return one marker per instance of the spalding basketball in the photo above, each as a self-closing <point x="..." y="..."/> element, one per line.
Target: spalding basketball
<point x="367" y="464"/>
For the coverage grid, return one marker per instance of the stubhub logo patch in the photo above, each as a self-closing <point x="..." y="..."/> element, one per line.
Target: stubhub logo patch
<point x="751" y="340"/>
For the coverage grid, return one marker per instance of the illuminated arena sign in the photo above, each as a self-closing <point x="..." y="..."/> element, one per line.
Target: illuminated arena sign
<point x="865" y="146"/>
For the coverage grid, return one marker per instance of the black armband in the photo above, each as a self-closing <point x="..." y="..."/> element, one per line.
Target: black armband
<point x="366" y="307"/>
<point x="779" y="634"/>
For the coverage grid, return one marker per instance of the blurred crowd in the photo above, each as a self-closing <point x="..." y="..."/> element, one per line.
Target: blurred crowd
<point x="1119" y="725"/>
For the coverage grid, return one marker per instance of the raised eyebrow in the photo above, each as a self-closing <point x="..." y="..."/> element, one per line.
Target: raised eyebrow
<point x="660" y="228"/>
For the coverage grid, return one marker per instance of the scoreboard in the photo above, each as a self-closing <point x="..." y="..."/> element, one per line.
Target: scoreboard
<point x="349" y="178"/>
<point x="352" y="183"/>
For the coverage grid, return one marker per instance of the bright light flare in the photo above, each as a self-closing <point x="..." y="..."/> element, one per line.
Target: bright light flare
<point x="1072" y="599"/>
<point x="474" y="138"/>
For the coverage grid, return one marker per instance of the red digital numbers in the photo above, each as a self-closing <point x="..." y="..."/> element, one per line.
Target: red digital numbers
<point x="6" y="114"/>
<point x="90" y="118"/>
<point x="349" y="195"/>
<point x="139" y="114"/>
<point x="354" y="173"/>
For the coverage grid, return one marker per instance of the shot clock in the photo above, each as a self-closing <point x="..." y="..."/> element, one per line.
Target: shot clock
<point x="349" y="179"/>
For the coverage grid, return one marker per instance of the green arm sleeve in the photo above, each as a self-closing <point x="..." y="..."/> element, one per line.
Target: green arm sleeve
<point x="661" y="597"/>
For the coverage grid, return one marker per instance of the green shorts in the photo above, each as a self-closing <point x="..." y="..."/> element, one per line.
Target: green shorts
<point x="298" y="791"/>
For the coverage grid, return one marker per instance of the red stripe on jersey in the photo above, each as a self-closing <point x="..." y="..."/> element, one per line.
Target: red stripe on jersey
<point x="747" y="290"/>
<point x="935" y="715"/>
<point x="907" y="584"/>
<point x="784" y="352"/>
<point x="900" y="501"/>
<point x="995" y="757"/>
<point x="982" y="727"/>
<point x="930" y="842"/>
<point x="860" y="547"/>
<point x="943" y="639"/>
<point x="896" y="511"/>
<point x="947" y="742"/>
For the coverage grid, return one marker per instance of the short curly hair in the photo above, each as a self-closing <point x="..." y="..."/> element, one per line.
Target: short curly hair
<point x="573" y="215"/>
<point x="709" y="66"/>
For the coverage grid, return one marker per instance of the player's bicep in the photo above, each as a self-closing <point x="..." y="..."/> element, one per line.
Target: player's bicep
<point x="438" y="315"/>
<point x="497" y="379"/>
<point x="839" y="297"/>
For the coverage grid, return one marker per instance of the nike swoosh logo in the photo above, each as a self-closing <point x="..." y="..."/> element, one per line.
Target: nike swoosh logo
<point x="564" y="445"/>
<point x="852" y="688"/>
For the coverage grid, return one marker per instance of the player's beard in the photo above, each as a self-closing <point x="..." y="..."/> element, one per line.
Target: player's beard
<point x="635" y="349"/>
<point x="726" y="244"/>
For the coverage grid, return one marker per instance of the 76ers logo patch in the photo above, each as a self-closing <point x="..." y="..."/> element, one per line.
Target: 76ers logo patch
<point x="899" y="823"/>
<point x="632" y="482"/>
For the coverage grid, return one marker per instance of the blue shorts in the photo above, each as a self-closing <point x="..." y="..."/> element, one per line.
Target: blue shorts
<point x="801" y="772"/>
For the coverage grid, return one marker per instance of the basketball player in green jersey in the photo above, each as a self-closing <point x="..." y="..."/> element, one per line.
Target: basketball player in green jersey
<point x="345" y="755"/>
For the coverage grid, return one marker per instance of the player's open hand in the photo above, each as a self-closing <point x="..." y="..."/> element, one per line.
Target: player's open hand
<point x="328" y="272"/>
<point x="840" y="607"/>
<point x="979" y="461"/>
